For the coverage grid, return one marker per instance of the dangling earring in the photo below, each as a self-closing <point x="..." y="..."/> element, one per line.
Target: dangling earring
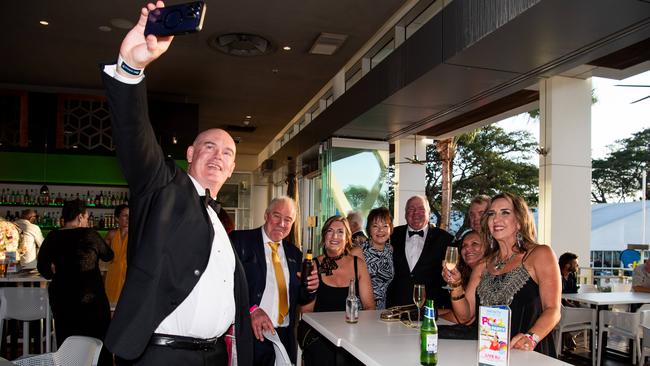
<point x="520" y="240"/>
<point x="491" y="240"/>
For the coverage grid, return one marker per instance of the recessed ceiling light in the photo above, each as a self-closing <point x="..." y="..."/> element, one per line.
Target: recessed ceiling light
<point x="44" y="22"/>
<point x="248" y="117"/>
<point x="105" y="28"/>
<point x="286" y="48"/>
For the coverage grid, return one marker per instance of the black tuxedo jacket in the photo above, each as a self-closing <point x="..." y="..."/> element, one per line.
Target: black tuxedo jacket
<point x="171" y="235"/>
<point x="427" y="271"/>
<point x="249" y="245"/>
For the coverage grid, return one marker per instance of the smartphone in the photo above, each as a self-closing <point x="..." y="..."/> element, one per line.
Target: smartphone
<point x="176" y="19"/>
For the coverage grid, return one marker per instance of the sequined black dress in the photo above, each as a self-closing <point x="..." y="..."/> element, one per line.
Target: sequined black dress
<point x="517" y="290"/>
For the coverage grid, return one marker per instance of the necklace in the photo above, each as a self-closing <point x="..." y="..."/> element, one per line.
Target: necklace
<point x="329" y="263"/>
<point x="500" y="263"/>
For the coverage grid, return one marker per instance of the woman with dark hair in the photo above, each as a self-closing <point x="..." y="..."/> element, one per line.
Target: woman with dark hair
<point x="472" y="251"/>
<point x="117" y="240"/>
<point x="516" y="271"/>
<point x="69" y="257"/>
<point x="336" y="268"/>
<point x="378" y="253"/>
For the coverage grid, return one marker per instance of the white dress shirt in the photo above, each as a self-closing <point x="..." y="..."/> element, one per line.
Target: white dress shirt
<point x="209" y="310"/>
<point x="270" y="299"/>
<point x="413" y="246"/>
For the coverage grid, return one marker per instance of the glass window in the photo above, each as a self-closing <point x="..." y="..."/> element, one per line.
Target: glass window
<point x="356" y="76"/>
<point x="388" y="48"/>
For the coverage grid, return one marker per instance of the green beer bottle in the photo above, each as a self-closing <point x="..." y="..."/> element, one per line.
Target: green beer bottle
<point x="429" y="336"/>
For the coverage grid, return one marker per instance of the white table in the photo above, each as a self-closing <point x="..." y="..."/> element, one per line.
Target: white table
<point x="378" y="343"/>
<point x="601" y="299"/>
<point x="22" y="277"/>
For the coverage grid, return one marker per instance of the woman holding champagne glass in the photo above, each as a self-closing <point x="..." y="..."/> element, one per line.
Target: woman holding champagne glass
<point x="516" y="271"/>
<point x="471" y="253"/>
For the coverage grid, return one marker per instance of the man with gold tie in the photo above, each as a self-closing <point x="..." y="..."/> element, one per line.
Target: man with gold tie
<point x="272" y="265"/>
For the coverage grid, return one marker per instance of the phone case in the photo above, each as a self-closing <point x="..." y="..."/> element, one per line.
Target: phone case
<point x="176" y="19"/>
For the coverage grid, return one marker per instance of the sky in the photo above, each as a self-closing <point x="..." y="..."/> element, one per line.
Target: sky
<point x="613" y="117"/>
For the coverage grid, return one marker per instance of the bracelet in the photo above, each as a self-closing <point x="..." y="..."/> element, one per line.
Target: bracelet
<point x="456" y="285"/>
<point x="128" y="69"/>
<point x="533" y="338"/>
<point x="459" y="297"/>
<point x="457" y="288"/>
<point x="252" y="309"/>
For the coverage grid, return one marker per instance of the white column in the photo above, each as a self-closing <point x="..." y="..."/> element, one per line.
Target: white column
<point x="259" y="199"/>
<point x="565" y="166"/>
<point x="410" y="178"/>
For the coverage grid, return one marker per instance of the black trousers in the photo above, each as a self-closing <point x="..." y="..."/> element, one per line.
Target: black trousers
<point x="264" y="353"/>
<point x="161" y="355"/>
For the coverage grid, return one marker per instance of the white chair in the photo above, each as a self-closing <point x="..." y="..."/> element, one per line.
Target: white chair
<point x="645" y="345"/>
<point x="75" y="351"/>
<point x="574" y="319"/>
<point x="623" y="324"/>
<point x="586" y="288"/>
<point x="26" y="304"/>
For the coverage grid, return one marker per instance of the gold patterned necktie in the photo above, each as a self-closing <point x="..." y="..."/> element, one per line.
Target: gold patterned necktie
<point x="283" y="304"/>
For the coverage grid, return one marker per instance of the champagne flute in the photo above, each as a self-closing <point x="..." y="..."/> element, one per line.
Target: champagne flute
<point x="451" y="261"/>
<point x="419" y="295"/>
<point x="451" y="258"/>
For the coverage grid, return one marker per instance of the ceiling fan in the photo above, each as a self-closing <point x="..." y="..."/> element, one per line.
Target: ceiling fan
<point x="414" y="159"/>
<point x="636" y="86"/>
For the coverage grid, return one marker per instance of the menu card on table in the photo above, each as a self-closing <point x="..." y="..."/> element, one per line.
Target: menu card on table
<point x="494" y="335"/>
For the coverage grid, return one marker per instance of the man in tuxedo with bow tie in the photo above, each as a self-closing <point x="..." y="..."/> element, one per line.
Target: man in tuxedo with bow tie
<point x="271" y="264"/>
<point x="418" y="251"/>
<point x="185" y="286"/>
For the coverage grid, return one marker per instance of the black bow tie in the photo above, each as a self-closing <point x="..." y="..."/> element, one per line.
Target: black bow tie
<point x="418" y="232"/>
<point x="209" y="201"/>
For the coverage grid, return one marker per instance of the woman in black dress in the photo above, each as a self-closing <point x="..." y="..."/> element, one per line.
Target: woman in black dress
<point x="69" y="257"/>
<point x="336" y="268"/>
<point x="516" y="271"/>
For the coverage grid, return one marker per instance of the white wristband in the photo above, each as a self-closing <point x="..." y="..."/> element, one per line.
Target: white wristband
<point x="128" y="69"/>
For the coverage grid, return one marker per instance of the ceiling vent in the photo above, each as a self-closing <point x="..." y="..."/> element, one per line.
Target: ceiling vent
<point x="242" y="44"/>
<point x="327" y="44"/>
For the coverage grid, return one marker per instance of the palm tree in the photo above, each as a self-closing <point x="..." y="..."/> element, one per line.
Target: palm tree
<point x="447" y="150"/>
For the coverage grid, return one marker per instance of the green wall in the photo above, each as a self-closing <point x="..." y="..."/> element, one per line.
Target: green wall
<point x="60" y="168"/>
